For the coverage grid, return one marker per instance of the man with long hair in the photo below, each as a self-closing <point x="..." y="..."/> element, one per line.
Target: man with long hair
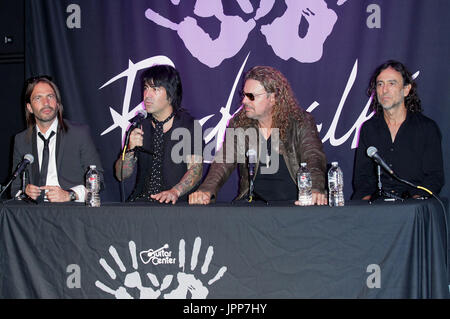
<point x="286" y="135"/>
<point x="408" y="141"/>
<point x="62" y="150"/>
<point x="161" y="177"/>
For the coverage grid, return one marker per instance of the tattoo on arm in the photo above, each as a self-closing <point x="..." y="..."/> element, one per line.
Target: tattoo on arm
<point x="192" y="176"/>
<point x="128" y="166"/>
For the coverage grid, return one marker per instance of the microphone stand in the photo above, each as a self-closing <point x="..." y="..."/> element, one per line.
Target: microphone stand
<point x="125" y="146"/>
<point x="252" y="195"/>
<point x="4" y="188"/>
<point x="22" y="196"/>
<point x="136" y="149"/>
<point x="380" y="193"/>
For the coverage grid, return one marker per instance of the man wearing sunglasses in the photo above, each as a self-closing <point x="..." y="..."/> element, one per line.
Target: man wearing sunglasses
<point x="270" y="108"/>
<point x="62" y="150"/>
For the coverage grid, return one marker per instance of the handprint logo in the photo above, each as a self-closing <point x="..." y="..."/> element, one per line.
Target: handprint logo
<point x="235" y="30"/>
<point x="188" y="284"/>
<point x="132" y="279"/>
<point x="320" y="20"/>
<point x="207" y="50"/>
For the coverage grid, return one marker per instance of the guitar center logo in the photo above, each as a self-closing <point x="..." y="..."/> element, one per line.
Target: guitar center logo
<point x="126" y="278"/>
<point x="157" y="257"/>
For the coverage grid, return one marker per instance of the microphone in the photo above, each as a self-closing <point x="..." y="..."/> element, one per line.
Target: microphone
<point x="372" y="152"/>
<point x="251" y="154"/>
<point x="141" y="115"/>
<point x="27" y="159"/>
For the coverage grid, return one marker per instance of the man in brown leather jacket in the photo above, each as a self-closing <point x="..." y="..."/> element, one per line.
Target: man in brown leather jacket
<point x="286" y="135"/>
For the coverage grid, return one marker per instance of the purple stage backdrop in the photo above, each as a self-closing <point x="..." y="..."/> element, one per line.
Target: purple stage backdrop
<point x="328" y="49"/>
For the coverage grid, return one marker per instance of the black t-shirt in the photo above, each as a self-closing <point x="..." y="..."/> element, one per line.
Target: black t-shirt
<point x="184" y="138"/>
<point x="278" y="186"/>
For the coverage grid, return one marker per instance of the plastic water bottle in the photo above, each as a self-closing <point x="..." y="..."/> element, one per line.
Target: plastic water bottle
<point x="304" y="184"/>
<point x="335" y="185"/>
<point x="92" y="187"/>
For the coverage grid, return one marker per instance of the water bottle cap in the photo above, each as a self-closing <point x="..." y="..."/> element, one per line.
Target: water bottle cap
<point x="334" y="163"/>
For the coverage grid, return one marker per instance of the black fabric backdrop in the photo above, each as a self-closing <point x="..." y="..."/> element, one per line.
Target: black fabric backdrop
<point x="327" y="50"/>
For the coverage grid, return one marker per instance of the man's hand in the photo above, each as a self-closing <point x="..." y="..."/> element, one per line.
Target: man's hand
<point x="317" y="199"/>
<point x="136" y="138"/>
<point x="56" y="194"/>
<point x="32" y="191"/>
<point x="168" y="196"/>
<point x="199" y="197"/>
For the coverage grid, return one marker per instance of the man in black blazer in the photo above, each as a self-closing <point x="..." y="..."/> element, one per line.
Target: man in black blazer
<point x="68" y="153"/>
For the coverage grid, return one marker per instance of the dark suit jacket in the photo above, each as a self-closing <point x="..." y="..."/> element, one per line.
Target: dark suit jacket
<point x="75" y="151"/>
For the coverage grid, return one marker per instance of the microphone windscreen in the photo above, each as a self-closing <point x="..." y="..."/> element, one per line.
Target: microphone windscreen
<point x="371" y="150"/>
<point x="143" y="113"/>
<point x="29" y="158"/>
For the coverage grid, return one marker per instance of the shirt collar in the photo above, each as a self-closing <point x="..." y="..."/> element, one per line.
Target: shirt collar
<point x="53" y="127"/>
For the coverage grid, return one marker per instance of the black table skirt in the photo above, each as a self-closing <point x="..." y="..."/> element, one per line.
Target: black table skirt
<point x="384" y="250"/>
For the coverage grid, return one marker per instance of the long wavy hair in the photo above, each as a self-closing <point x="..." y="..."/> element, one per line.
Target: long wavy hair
<point x="286" y="105"/>
<point x="28" y="90"/>
<point x="412" y="101"/>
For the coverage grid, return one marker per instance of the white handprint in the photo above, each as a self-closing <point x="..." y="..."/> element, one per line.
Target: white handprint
<point x="133" y="279"/>
<point x="187" y="283"/>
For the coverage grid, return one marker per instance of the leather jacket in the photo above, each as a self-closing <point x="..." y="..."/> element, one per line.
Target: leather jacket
<point x="302" y="145"/>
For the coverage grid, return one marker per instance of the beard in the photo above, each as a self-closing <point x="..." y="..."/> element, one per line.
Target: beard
<point x="392" y="103"/>
<point x="42" y="117"/>
<point x="249" y="111"/>
<point x="387" y="107"/>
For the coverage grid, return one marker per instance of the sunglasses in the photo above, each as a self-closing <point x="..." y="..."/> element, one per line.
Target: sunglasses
<point x="38" y="78"/>
<point x="250" y="96"/>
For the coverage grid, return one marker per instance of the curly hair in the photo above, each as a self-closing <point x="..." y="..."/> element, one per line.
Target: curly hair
<point x="412" y="101"/>
<point x="286" y="105"/>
